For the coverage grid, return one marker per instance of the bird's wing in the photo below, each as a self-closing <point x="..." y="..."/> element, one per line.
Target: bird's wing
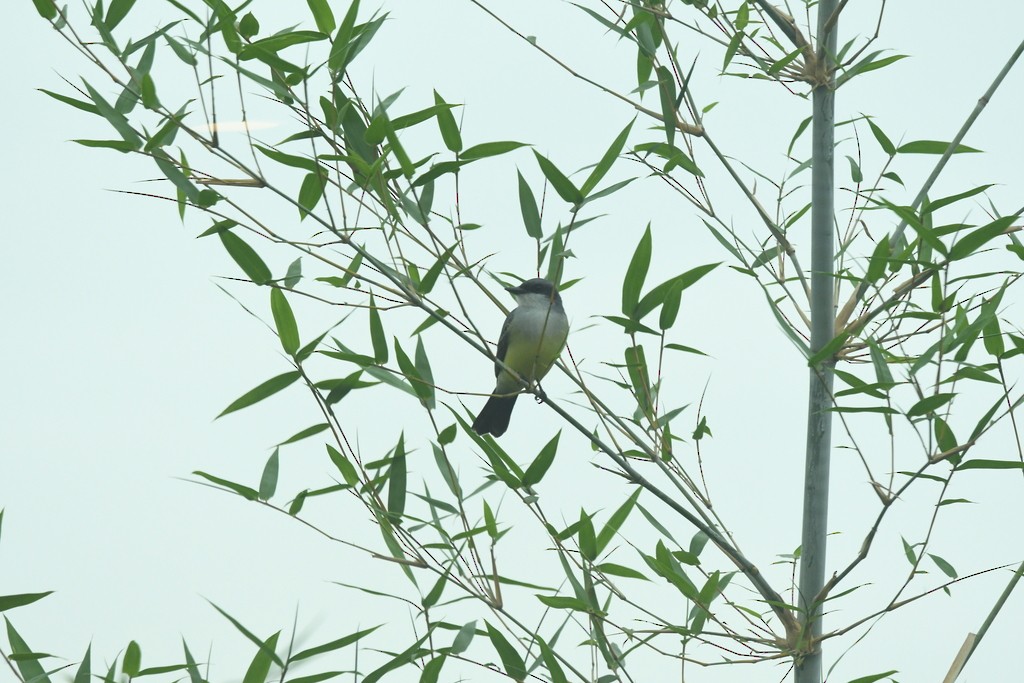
<point x="503" y="342"/>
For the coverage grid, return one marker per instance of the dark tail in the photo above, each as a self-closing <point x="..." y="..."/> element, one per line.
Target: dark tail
<point x="493" y="419"/>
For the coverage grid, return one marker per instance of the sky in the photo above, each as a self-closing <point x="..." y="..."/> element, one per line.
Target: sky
<point x="121" y="348"/>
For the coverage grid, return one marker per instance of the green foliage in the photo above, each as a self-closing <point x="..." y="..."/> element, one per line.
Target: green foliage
<point x="921" y="336"/>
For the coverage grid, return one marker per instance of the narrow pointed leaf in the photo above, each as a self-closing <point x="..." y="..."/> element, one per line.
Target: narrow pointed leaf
<point x="539" y="467"/>
<point x="246" y="258"/>
<point x="333" y="645"/>
<point x="510" y="658"/>
<point x="528" y="209"/>
<point x="322" y="15"/>
<point x="19" y="600"/>
<point x="259" y="668"/>
<point x="268" y="482"/>
<point x="563" y="186"/>
<point x="265" y="390"/>
<point x="633" y="283"/>
<point x="397" y="481"/>
<point x="284" y="320"/>
<point x="606" y="162"/>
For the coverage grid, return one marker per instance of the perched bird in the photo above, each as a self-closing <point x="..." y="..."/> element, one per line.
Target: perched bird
<point x="531" y="340"/>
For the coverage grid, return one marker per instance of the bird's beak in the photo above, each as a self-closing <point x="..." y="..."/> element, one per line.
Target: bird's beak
<point x="516" y="289"/>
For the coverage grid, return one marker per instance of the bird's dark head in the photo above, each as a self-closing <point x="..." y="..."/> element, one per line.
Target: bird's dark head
<point x="537" y="288"/>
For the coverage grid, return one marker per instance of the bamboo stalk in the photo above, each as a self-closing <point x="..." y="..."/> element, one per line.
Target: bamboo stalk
<point x="819" y="402"/>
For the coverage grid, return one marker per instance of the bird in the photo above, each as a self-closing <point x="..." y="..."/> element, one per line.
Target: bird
<point x="531" y="340"/>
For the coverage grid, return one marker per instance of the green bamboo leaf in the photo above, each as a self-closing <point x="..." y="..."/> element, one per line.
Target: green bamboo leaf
<point x="510" y="659"/>
<point x="551" y="662"/>
<point x="883" y="140"/>
<point x="341" y="47"/>
<point x="778" y="66"/>
<point x="399" y="660"/>
<point x="659" y="294"/>
<point x="293" y="274"/>
<point x="317" y="678"/>
<point x="181" y="51"/>
<point x="21" y="599"/>
<point x="869" y="63"/>
<point x="424" y="392"/>
<point x="437" y="170"/>
<point x="587" y="538"/>
<point x="667" y="90"/>
<point x="190" y="664"/>
<point x="490" y="149"/>
<point x="347" y="469"/>
<point x="310" y="192"/>
<point x="639" y="378"/>
<point x="333" y="645"/>
<point x="265" y="647"/>
<point x="463" y="638"/>
<point x="246" y="258"/>
<point x="449" y="128"/>
<point x="828" y="350"/>
<point x="248" y="26"/>
<point x="565" y="602"/>
<point x="305" y="433"/>
<point x="132" y="659"/>
<point x="115" y="118"/>
<point x="932" y="147"/>
<point x="426" y="284"/>
<point x="408" y="120"/>
<point x="156" y="670"/>
<point x="84" y="672"/>
<point x="117" y="11"/>
<point x="619" y="570"/>
<point x="929" y="404"/>
<point x="322" y="15"/>
<point x="77" y="104"/>
<point x="265" y="390"/>
<point x="944" y="566"/>
<point x="259" y="668"/>
<point x="284" y="320"/>
<point x="879" y="260"/>
<point x="529" y="210"/>
<point x="377" y="338"/>
<point x="46" y="8"/>
<point x="633" y="283"/>
<point x="276" y="43"/>
<point x="731" y="48"/>
<point x="974" y="240"/>
<point x="983" y="464"/>
<point x="855" y="173"/>
<point x="304" y="163"/>
<point x="397" y="481"/>
<point x="245" y="491"/>
<point x="606" y="162"/>
<point x="993" y="339"/>
<point x="796" y="136"/>
<point x="563" y="186"/>
<point x="425" y="373"/>
<point x="432" y="669"/>
<point x="952" y="199"/>
<point x="670" y="307"/>
<point x="881" y="365"/>
<point x="616" y="521"/>
<point x="874" y="677"/>
<point x="268" y="482"/>
<point x="31" y="670"/>
<point x="742" y="16"/>
<point x="539" y="467"/>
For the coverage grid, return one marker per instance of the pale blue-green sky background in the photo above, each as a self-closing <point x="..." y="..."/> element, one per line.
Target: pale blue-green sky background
<point x="119" y="349"/>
